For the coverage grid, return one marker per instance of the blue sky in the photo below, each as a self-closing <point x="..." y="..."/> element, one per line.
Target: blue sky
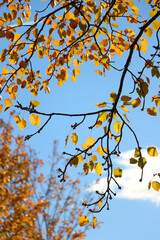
<point x="134" y="213"/>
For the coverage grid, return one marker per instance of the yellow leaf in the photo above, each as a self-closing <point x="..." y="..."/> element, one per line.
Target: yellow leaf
<point x="142" y="162"/>
<point x="148" y="32"/>
<point x="83" y="220"/>
<point x="19" y="21"/>
<point x="99" y="72"/>
<point x="5" y="71"/>
<point x="117" y="172"/>
<point x="156" y="185"/>
<point x="17" y="119"/>
<point x="34" y="103"/>
<point x="103" y="116"/>
<point x="41" y="52"/>
<point x="124" y="108"/>
<point x="94" y="222"/>
<point x="93" y="158"/>
<point x="76" y="71"/>
<point x="8" y="104"/>
<point x="86" y="168"/>
<point x="98" y="124"/>
<point x="100" y="203"/>
<point x="73" y="78"/>
<point x="1" y="107"/>
<point x="90" y="165"/>
<point x="56" y="42"/>
<point x="126" y="117"/>
<point x="84" y="146"/>
<point x="90" y="141"/>
<point x="35" y="119"/>
<point x="66" y="140"/>
<point x="22" y="124"/>
<point x="113" y="96"/>
<point x="117" y="139"/>
<point x="74" y="138"/>
<point x="152" y="151"/>
<point x="76" y="62"/>
<point x="156" y="25"/>
<point x="136" y="152"/>
<point x="117" y="126"/>
<point x="101" y="105"/>
<point x="98" y="168"/>
<point x="152" y="111"/>
<point x="80" y="158"/>
<point x="100" y="150"/>
<point x="136" y="102"/>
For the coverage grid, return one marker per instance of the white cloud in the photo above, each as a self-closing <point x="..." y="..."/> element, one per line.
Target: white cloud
<point x="131" y="187"/>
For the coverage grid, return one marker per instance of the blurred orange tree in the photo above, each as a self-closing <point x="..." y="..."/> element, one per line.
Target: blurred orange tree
<point x="34" y="206"/>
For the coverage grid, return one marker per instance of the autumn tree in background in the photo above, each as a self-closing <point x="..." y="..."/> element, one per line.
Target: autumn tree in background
<point x="65" y="34"/>
<point x="34" y="206"/>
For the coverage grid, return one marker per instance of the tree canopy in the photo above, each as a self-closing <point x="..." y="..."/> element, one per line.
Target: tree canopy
<point x="63" y="36"/>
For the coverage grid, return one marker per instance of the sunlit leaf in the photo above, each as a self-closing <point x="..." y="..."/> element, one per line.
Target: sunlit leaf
<point x="90" y="165"/>
<point x="152" y="111"/>
<point x="136" y="153"/>
<point x="101" y="150"/>
<point x="117" y="172"/>
<point x="90" y="141"/>
<point x="103" y="116"/>
<point x="74" y="138"/>
<point x="5" y="71"/>
<point x="124" y="108"/>
<point x="152" y="151"/>
<point x="98" y="124"/>
<point x="117" y="126"/>
<point x="156" y="25"/>
<point x="101" y="105"/>
<point x="8" y="104"/>
<point x="100" y="203"/>
<point x="156" y="185"/>
<point x="113" y="96"/>
<point x="22" y="124"/>
<point x="34" y="103"/>
<point x="83" y="220"/>
<point x="136" y="102"/>
<point x="98" y="168"/>
<point x="35" y="119"/>
<point x="94" y="222"/>
<point x="1" y="108"/>
<point x="93" y="158"/>
<point x="142" y="162"/>
<point x="17" y="119"/>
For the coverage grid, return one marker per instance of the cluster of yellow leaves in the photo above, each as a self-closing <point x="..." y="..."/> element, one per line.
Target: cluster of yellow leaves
<point x="84" y="220"/>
